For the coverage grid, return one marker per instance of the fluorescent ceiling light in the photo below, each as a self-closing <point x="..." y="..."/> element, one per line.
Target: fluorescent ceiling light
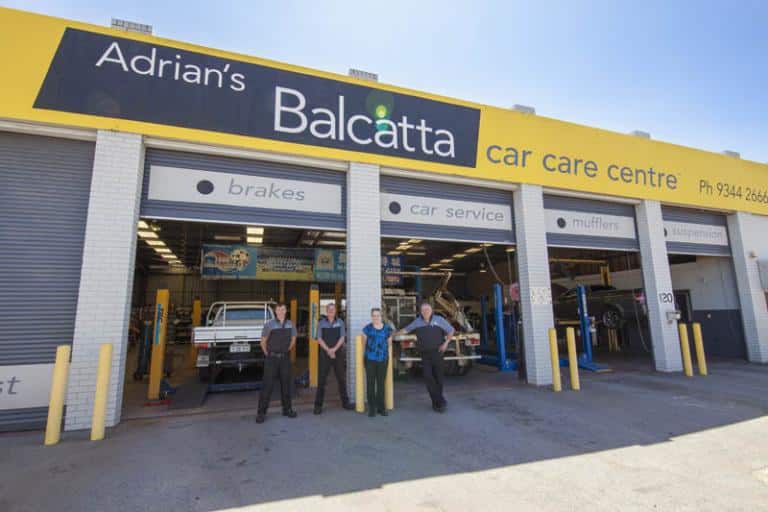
<point x="394" y="253"/>
<point x="335" y="243"/>
<point x="334" y="234"/>
<point x="446" y="269"/>
<point x="414" y="241"/>
<point x="252" y="230"/>
<point x="486" y="245"/>
<point x="254" y="239"/>
<point x="143" y="224"/>
<point x="416" y="253"/>
<point x="426" y="269"/>
<point x="403" y="247"/>
<point x="473" y="250"/>
<point x="510" y="249"/>
<point x="148" y="234"/>
<point x="163" y="250"/>
<point x="459" y="255"/>
<point x="169" y="256"/>
<point x="155" y="243"/>
<point x="446" y="260"/>
<point x="227" y="238"/>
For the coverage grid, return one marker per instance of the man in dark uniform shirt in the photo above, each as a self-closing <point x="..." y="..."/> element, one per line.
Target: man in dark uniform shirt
<point x="331" y="336"/>
<point x="277" y="339"/>
<point x="433" y="332"/>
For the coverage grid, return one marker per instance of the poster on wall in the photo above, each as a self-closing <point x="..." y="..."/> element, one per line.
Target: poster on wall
<point x="330" y="265"/>
<point x="228" y="262"/>
<point x="390" y="265"/>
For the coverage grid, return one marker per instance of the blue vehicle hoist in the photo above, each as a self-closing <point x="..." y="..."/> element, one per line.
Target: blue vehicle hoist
<point x="585" y="326"/>
<point x="498" y="358"/>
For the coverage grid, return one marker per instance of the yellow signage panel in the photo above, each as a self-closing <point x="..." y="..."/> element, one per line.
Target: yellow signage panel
<point x="76" y="74"/>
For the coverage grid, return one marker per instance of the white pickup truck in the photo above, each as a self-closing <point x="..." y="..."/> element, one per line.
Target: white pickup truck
<point x="231" y="336"/>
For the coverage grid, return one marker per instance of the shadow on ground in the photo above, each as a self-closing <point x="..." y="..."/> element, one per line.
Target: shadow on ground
<point x="223" y="459"/>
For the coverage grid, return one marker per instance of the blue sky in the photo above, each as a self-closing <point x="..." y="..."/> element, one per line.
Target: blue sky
<point x="690" y="72"/>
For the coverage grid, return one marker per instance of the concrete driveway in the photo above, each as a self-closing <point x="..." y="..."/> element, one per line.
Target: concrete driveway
<point x="630" y="440"/>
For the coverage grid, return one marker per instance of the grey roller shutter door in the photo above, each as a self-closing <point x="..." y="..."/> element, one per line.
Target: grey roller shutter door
<point x="697" y="226"/>
<point x="44" y="190"/>
<point x="592" y="214"/>
<point x="449" y="191"/>
<point x="238" y="214"/>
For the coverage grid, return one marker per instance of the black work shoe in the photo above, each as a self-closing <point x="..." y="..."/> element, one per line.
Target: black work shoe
<point x="260" y="418"/>
<point x="349" y="406"/>
<point x="317" y="410"/>
<point x="383" y="412"/>
<point x="290" y="413"/>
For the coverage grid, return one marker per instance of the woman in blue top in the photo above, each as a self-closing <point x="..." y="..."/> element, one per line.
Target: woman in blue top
<point x="377" y="339"/>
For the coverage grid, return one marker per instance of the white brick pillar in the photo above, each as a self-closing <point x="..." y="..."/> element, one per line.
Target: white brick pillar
<point x="748" y="245"/>
<point x="657" y="282"/>
<point x="106" y="280"/>
<point x="363" y="254"/>
<point x="535" y="283"/>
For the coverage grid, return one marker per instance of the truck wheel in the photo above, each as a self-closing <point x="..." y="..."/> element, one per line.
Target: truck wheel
<point x="452" y="368"/>
<point x="204" y="374"/>
<point x="463" y="370"/>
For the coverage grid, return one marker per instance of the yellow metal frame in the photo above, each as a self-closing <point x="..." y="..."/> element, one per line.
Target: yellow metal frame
<point x="162" y="301"/>
<point x="314" y="346"/>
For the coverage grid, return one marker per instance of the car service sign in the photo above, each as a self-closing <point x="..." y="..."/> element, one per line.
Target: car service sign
<point x="445" y="212"/>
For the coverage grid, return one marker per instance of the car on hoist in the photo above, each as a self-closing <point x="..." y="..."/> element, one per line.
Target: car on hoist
<point x="611" y="307"/>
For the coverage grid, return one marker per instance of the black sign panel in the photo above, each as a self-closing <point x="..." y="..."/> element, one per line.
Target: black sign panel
<point x="116" y="77"/>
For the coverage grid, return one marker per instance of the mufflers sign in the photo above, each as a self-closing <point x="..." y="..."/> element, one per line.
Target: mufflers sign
<point x="123" y="78"/>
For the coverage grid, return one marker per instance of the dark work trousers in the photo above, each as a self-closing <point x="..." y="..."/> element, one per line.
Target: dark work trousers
<point x="277" y="366"/>
<point x="432" y="367"/>
<point x="339" y="369"/>
<point x="375" y="375"/>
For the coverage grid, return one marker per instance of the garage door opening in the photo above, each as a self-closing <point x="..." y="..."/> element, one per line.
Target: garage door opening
<point x="226" y="277"/>
<point x="704" y="279"/>
<point x="457" y="279"/>
<point x="611" y="284"/>
<point x="597" y="282"/>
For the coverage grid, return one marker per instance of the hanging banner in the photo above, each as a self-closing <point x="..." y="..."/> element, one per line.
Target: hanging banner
<point x="228" y="262"/>
<point x="273" y="263"/>
<point x="390" y="266"/>
<point x="276" y="264"/>
<point x="330" y="265"/>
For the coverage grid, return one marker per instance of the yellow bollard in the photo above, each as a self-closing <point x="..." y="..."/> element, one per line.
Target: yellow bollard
<point x="314" y="347"/>
<point x="685" y="349"/>
<point x="337" y="291"/>
<point x="295" y="320"/>
<point x="158" y="344"/>
<point x="573" y="363"/>
<point x="389" y="383"/>
<point x="197" y="312"/>
<point x="698" y="342"/>
<point x="58" y="393"/>
<point x="359" y="382"/>
<point x="102" y="390"/>
<point x="555" y="359"/>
